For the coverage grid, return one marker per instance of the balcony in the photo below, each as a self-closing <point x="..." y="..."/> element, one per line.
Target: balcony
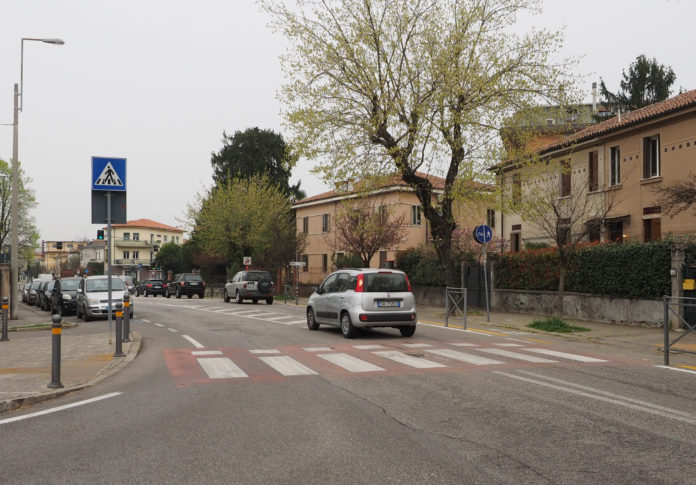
<point x="132" y="262"/>
<point x="131" y="243"/>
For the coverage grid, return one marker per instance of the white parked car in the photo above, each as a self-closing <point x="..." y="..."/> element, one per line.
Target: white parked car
<point x="93" y="296"/>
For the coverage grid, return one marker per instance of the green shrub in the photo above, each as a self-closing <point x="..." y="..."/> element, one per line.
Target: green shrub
<point x="555" y="324"/>
<point x="422" y="266"/>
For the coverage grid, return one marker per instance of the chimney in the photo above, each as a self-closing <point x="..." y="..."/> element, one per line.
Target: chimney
<point x="594" y="97"/>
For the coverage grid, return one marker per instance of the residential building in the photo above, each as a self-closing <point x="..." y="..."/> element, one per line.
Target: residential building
<point x="134" y="246"/>
<point x="55" y="254"/>
<point x="316" y="219"/>
<point x="619" y="164"/>
<point x="94" y="252"/>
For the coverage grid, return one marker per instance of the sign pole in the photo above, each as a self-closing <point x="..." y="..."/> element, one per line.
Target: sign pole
<point x="108" y="258"/>
<point x="485" y="284"/>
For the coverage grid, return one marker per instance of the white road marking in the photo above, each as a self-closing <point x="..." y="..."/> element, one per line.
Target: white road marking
<point x="294" y="322"/>
<point x="509" y="345"/>
<point x="264" y="351"/>
<point x="159" y="324"/>
<point x="59" y="408"/>
<point x="146" y="321"/>
<point x="402" y="358"/>
<point x="368" y="347"/>
<point x="246" y="311"/>
<point x="620" y="400"/>
<point x="195" y="342"/>
<point x="415" y="346"/>
<point x="287" y="366"/>
<point x="515" y="355"/>
<point x="464" y="357"/>
<point x="279" y="317"/>
<point x="563" y="355"/>
<point x="172" y="330"/>
<point x="317" y="349"/>
<point x="464" y="345"/>
<point x="264" y="315"/>
<point x="221" y="368"/>
<point x="676" y="368"/>
<point x="213" y="309"/>
<point x="350" y="363"/>
<point x="206" y="352"/>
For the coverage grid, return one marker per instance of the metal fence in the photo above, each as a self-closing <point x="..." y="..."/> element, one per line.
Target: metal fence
<point x="455" y="300"/>
<point x="685" y="310"/>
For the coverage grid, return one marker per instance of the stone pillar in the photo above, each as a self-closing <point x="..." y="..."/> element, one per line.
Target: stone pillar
<point x="678" y="258"/>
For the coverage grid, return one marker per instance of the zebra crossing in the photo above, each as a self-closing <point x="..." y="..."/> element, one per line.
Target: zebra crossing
<point x="261" y="313"/>
<point x="195" y="366"/>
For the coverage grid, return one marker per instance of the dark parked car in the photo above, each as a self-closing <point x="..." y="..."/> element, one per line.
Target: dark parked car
<point x="188" y="284"/>
<point x="44" y="301"/>
<point x="151" y="287"/>
<point x="64" y="295"/>
<point x="33" y="294"/>
<point x="25" y="292"/>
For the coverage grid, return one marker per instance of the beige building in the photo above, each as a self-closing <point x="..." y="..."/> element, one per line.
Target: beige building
<point x="54" y="254"/>
<point x="316" y="218"/>
<point x="135" y="245"/>
<point x="617" y="166"/>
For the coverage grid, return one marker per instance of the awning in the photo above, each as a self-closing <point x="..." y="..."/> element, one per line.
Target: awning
<point x="623" y="218"/>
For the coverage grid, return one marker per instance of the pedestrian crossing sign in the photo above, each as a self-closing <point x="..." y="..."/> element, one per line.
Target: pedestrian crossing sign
<point x="109" y="174"/>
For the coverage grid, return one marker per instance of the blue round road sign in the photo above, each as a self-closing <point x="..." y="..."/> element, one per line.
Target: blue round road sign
<point x="483" y="234"/>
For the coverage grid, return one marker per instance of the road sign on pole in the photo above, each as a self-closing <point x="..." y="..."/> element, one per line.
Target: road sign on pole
<point x="298" y="263"/>
<point x="483" y="234"/>
<point x="109" y="174"/>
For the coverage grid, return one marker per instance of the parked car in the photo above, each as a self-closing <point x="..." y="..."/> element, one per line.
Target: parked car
<point x="64" y="295"/>
<point x="353" y="298"/>
<point x="93" y="297"/>
<point x="128" y="280"/>
<point x="249" y="285"/>
<point x="33" y="295"/>
<point x="45" y="295"/>
<point x="25" y="292"/>
<point x="151" y="287"/>
<point x="188" y="284"/>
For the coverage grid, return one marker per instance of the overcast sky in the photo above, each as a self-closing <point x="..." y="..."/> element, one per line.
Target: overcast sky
<point x="157" y="82"/>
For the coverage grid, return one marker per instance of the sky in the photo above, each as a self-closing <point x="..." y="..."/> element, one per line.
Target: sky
<point x="157" y="82"/>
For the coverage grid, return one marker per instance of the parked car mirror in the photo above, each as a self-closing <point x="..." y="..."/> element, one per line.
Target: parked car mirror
<point x="79" y="290"/>
<point x="317" y="290"/>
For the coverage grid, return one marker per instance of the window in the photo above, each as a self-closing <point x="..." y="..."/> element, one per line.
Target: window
<point x="490" y="218"/>
<point x="126" y="254"/>
<point x="126" y="236"/>
<point x="305" y="258"/>
<point x="565" y="178"/>
<point x="325" y="223"/>
<point x="382" y="259"/>
<point x="383" y="213"/>
<point x="615" y="165"/>
<point x="416" y="215"/>
<point x="615" y="230"/>
<point x="177" y="239"/>
<point x="515" y="242"/>
<point x="324" y="262"/>
<point x="594" y="231"/>
<point x="165" y="238"/>
<point x="136" y="236"/>
<point x="152" y="238"/>
<point x="516" y="188"/>
<point x="593" y="172"/>
<point x="652" y="229"/>
<point x="136" y="254"/>
<point x="305" y="225"/>
<point x="651" y="156"/>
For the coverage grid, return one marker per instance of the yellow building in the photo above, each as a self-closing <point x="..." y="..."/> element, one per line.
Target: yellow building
<point x="619" y="163"/>
<point x="55" y="255"/>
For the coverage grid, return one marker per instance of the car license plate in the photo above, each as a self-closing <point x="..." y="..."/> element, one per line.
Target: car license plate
<point x="388" y="303"/>
<point x="157" y="287"/>
<point x="194" y="283"/>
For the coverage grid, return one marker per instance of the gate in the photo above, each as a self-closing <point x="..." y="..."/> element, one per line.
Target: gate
<point x="474" y="283"/>
<point x="673" y="305"/>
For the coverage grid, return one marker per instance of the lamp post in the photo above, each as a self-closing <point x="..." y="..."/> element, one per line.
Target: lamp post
<point x="14" y="211"/>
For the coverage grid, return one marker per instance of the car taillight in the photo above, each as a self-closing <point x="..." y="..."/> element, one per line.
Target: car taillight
<point x="359" y="286"/>
<point x="408" y="283"/>
<point x="182" y="284"/>
<point x="202" y="283"/>
<point x="149" y="285"/>
<point x="244" y="285"/>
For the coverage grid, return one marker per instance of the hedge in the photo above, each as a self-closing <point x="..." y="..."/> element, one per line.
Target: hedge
<point x="422" y="266"/>
<point x="633" y="270"/>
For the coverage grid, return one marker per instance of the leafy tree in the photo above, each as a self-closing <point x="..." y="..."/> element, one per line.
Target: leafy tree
<point x="413" y="86"/>
<point x="678" y="196"/>
<point x="256" y="152"/>
<point x="169" y="258"/>
<point x="646" y="82"/>
<point x="28" y="234"/>
<point x="363" y="229"/>
<point x="245" y="217"/>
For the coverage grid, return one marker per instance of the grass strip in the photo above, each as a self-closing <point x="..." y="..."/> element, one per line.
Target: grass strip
<point x="555" y="324"/>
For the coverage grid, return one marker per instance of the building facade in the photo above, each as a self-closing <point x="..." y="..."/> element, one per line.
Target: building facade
<point x="58" y="255"/>
<point x="134" y="246"/>
<point x="618" y="166"/>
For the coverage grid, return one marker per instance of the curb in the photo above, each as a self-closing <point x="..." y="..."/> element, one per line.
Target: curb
<point x="110" y="369"/>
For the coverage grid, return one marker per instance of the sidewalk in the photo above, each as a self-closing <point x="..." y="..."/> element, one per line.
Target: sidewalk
<point x="25" y="361"/>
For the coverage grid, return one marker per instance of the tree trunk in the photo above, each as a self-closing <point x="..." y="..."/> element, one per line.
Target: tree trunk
<point x="561" y="286"/>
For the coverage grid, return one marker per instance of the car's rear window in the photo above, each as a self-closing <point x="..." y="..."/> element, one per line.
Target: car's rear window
<point x="257" y="275"/>
<point x="381" y="282"/>
<point x="155" y="282"/>
<point x="192" y="277"/>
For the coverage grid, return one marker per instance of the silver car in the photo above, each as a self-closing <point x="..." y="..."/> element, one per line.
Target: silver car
<point x="93" y="296"/>
<point x="353" y="298"/>
<point x="251" y="285"/>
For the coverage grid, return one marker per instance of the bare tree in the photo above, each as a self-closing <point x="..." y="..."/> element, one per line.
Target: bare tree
<point x="363" y="228"/>
<point x="560" y="206"/>
<point x="678" y="196"/>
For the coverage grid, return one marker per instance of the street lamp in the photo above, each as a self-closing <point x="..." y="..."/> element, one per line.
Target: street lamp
<point x="14" y="211"/>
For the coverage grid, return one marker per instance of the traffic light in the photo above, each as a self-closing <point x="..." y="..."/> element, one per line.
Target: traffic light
<point x="59" y="245"/>
<point x="100" y="234"/>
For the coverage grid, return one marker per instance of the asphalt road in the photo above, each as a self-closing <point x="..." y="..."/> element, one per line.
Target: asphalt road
<point x="226" y="393"/>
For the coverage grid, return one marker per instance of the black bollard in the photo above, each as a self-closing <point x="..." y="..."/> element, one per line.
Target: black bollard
<point x="126" y="317"/>
<point x="5" y="306"/>
<point x="56" y="327"/>
<point x="119" y="331"/>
